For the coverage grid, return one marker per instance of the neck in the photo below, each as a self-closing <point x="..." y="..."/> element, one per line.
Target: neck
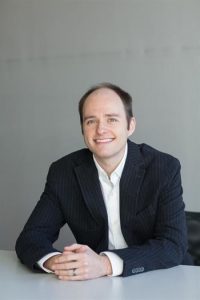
<point x="106" y="166"/>
<point x="109" y="165"/>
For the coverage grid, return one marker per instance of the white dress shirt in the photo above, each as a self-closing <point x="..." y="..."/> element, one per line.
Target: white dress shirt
<point x="110" y="191"/>
<point x="111" y="195"/>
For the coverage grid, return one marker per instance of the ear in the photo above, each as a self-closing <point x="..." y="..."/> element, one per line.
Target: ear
<point x="132" y="125"/>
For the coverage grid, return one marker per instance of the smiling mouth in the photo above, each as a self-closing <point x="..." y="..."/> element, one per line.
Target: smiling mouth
<point x="103" y="141"/>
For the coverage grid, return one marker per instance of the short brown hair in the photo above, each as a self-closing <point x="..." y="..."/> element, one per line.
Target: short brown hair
<point x="124" y="96"/>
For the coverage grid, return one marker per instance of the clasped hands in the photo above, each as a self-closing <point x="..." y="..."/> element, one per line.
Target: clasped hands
<point x="79" y="262"/>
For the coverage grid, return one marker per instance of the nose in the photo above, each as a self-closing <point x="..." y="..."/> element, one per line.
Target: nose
<point x="101" y="127"/>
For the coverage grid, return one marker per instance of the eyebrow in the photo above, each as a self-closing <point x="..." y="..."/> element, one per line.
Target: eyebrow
<point x="106" y="115"/>
<point x="112" y="115"/>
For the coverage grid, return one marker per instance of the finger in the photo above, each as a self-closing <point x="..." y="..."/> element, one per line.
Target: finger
<point x="70" y="272"/>
<point x="75" y="247"/>
<point x="66" y="266"/>
<point x="72" y="278"/>
<point x="80" y="274"/>
<point x="79" y="250"/>
<point x="65" y="252"/>
<point x="71" y="265"/>
<point x="74" y="262"/>
<point x="66" y="258"/>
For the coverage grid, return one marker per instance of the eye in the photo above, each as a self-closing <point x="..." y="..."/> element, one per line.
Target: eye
<point x="112" y="120"/>
<point x="90" y="122"/>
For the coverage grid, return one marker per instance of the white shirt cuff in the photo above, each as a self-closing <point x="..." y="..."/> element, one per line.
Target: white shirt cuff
<point x="116" y="263"/>
<point x="43" y="259"/>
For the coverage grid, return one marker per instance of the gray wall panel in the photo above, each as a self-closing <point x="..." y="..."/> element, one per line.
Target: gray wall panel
<point x="52" y="51"/>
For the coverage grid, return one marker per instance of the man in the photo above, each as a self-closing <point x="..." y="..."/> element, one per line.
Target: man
<point x="122" y="201"/>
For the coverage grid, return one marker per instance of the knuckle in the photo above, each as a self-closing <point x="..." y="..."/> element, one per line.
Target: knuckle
<point x="85" y="276"/>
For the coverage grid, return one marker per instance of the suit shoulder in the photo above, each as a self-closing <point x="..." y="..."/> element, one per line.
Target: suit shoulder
<point x="72" y="159"/>
<point x="160" y="165"/>
<point x="151" y="155"/>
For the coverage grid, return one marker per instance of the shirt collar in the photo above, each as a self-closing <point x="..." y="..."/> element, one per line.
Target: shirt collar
<point x="116" y="174"/>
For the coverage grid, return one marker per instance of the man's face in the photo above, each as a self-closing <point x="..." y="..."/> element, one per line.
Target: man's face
<point x="105" y="127"/>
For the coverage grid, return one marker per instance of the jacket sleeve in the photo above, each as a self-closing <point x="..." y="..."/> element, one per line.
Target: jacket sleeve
<point x="43" y="226"/>
<point x="168" y="245"/>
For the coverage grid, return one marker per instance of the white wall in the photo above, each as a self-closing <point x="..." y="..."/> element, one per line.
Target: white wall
<point x="52" y="51"/>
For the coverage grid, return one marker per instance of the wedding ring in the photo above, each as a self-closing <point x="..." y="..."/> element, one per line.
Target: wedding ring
<point x="74" y="272"/>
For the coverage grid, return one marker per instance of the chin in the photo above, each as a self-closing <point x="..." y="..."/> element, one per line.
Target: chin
<point x="103" y="155"/>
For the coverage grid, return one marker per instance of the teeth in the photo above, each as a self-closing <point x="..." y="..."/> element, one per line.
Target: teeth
<point x="103" y="140"/>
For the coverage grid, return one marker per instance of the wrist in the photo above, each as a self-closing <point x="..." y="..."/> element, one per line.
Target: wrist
<point x="49" y="262"/>
<point x="106" y="265"/>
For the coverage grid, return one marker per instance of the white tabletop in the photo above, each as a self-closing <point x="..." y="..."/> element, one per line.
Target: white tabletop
<point x="17" y="282"/>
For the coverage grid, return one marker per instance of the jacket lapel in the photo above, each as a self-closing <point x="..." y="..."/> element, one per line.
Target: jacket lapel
<point x="87" y="176"/>
<point x="130" y="183"/>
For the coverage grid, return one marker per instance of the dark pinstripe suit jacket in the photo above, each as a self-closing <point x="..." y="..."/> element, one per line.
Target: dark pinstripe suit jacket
<point x="151" y="210"/>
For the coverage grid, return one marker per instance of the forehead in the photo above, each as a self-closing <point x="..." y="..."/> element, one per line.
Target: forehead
<point x="103" y="99"/>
